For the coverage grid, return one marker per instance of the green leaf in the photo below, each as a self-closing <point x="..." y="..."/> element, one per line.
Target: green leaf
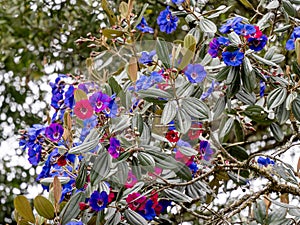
<point x="114" y="219"/>
<point x="162" y="52"/>
<point x="260" y="211"/>
<point x="49" y="180"/>
<point x="282" y="114"/>
<point x="207" y="25"/>
<point x="23" y="208"/>
<point x="101" y="167"/>
<point x="154" y="93"/>
<point x="71" y="209"/>
<point x="225" y="130"/>
<point x="146" y="160"/>
<point x="239" y="130"/>
<point x="183" y="121"/>
<point x="257" y="114"/>
<point x="264" y="61"/>
<point x="238" y="152"/>
<point x="276" y="97"/>
<point x="176" y="196"/>
<point x="296" y="107"/>
<point x="289" y="8"/>
<point x="89" y="143"/>
<point x="195" y="108"/>
<point x="246" y="97"/>
<point x="81" y="177"/>
<point x="139" y="19"/>
<point x="188" y="151"/>
<point x="222" y="75"/>
<point x="79" y="95"/>
<point x="247" y="4"/>
<point x="183" y="171"/>
<point x="109" y="12"/>
<point x="219" y="107"/>
<point x="134" y="218"/>
<point x="114" y="85"/>
<point x="277" y="132"/>
<point x="137" y="122"/>
<point x="136" y="188"/>
<point x="169" y="112"/>
<point x="122" y="173"/>
<point x="123" y="9"/>
<point x="161" y="159"/>
<point x="237" y="178"/>
<point x="44" y="207"/>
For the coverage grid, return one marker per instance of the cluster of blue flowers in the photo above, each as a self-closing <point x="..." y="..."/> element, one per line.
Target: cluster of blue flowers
<point x="231" y="54"/>
<point x="290" y="44"/>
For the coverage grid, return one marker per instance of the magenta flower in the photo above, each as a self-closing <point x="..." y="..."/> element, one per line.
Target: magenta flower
<point x="131" y="180"/>
<point x="135" y="201"/>
<point x="54" y="132"/>
<point x="99" y="101"/>
<point x="83" y="109"/>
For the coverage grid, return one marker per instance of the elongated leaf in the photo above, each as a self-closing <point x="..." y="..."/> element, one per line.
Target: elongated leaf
<point x="162" y="52"/>
<point x="177" y="196"/>
<point x="183" y="121"/>
<point x="132" y="69"/>
<point x="222" y="75"/>
<point x="225" y="130"/>
<point x="154" y="93"/>
<point x="146" y="161"/>
<point x="296" y="108"/>
<point x="137" y="122"/>
<point x="81" y="177"/>
<point x="136" y="188"/>
<point x="122" y="173"/>
<point x="23" y="208"/>
<point x="195" y="108"/>
<point x="49" y="180"/>
<point x="289" y="8"/>
<point x="110" y="14"/>
<point x="183" y="171"/>
<point x="79" y="95"/>
<point x="163" y="160"/>
<point x="277" y="132"/>
<point x="188" y="151"/>
<point x="207" y="26"/>
<point x="101" y="167"/>
<point x="276" y="97"/>
<point x="134" y="218"/>
<point x="169" y="112"/>
<point x="44" y="207"/>
<point x="71" y="209"/>
<point x="257" y="114"/>
<point x="114" y="219"/>
<point x="57" y="192"/>
<point x="264" y="61"/>
<point x="219" y="107"/>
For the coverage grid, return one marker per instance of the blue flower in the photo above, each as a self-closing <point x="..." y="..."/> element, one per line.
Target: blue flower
<point x="265" y="161"/>
<point x="290" y="44"/>
<point x="75" y="223"/>
<point x="257" y="44"/>
<point x="193" y="167"/>
<point x="143" y="26"/>
<point x="178" y="1"/>
<point x="195" y="73"/>
<point x="98" y="201"/>
<point x="233" y="58"/>
<point x="244" y="29"/>
<point x="147" y="57"/>
<point x="148" y="212"/>
<point x="230" y="24"/>
<point x="88" y="124"/>
<point x="99" y="101"/>
<point x="54" y="132"/>
<point x="145" y="82"/>
<point x="167" y="23"/>
<point x="215" y="45"/>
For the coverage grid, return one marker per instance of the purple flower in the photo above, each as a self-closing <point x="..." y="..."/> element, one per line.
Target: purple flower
<point x="265" y="161"/>
<point x="178" y="1"/>
<point x="233" y="58"/>
<point x="205" y="151"/>
<point x="98" y="201"/>
<point x="214" y="46"/>
<point x="54" y="132"/>
<point x="167" y="23"/>
<point x="147" y="57"/>
<point x="244" y="29"/>
<point x="257" y="44"/>
<point x="143" y="26"/>
<point x="114" y="147"/>
<point x="290" y="44"/>
<point x="195" y="73"/>
<point x="225" y="28"/>
<point x="99" y="101"/>
<point x="148" y="212"/>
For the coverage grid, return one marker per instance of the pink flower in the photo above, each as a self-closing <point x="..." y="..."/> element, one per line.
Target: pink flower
<point x="83" y="109"/>
<point x="135" y="201"/>
<point x="131" y="180"/>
